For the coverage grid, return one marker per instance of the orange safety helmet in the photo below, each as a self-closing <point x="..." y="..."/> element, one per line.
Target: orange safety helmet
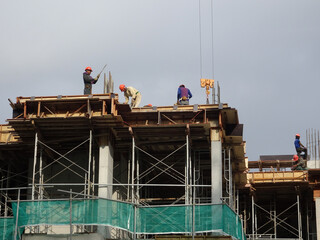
<point x="88" y="68"/>
<point x="297" y="135"/>
<point x="295" y="158"/>
<point x="122" y="87"/>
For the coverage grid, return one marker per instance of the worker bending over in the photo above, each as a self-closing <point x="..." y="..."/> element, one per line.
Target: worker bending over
<point x="299" y="147"/>
<point x="131" y="92"/>
<point x="299" y="163"/>
<point x="88" y="81"/>
<point x="184" y="95"/>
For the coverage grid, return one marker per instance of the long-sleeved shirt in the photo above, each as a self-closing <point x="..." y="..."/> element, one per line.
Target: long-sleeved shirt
<point x="88" y="81"/>
<point x="184" y="92"/>
<point x="130" y="92"/>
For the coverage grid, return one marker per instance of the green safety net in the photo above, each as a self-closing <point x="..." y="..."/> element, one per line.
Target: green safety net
<point x="7" y="228"/>
<point x="141" y="220"/>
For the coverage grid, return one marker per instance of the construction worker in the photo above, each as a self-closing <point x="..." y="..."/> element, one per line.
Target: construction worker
<point x="88" y="81"/>
<point x="299" y="147"/>
<point x="184" y="95"/>
<point x="131" y="92"/>
<point x="299" y="163"/>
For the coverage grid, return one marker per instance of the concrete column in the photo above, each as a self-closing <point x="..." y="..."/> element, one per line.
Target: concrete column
<point x="105" y="167"/>
<point x="216" y="166"/>
<point x="317" y="203"/>
<point x="105" y="174"/>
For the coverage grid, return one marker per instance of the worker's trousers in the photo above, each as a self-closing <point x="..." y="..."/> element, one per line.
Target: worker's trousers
<point x="136" y="101"/>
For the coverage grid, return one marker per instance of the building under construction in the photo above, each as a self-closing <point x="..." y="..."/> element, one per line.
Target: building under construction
<point x="88" y="167"/>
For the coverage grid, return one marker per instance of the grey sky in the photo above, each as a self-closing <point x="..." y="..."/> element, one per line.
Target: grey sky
<point x="266" y="56"/>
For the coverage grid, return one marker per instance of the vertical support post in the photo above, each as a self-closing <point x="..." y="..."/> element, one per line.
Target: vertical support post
<point x="317" y="200"/>
<point x="218" y="93"/>
<point x="40" y="176"/>
<point x="89" y="164"/>
<point x="70" y="210"/>
<point x="275" y="217"/>
<point x="105" y="83"/>
<point x="105" y="167"/>
<point x="17" y="217"/>
<point x="299" y="217"/>
<point x="308" y="223"/>
<point x="132" y="188"/>
<point x="105" y="176"/>
<point x="237" y="201"/>
<point x="187" y="172"/>
<point x="128" y="189"/>
<point x="253" y="216"/>
<point x="193" y="199"/>
<point x="135" y="222"/>
<point x="138" y="179"/>
<point x="230" y="180"/>
<point x="93" y="172"/>
<point x="34" y="164"/>
<point x="216" y="166"/>
<point x="132" y="171"/>
<point x="7" y="186"/>
<point x="213" y="95"/>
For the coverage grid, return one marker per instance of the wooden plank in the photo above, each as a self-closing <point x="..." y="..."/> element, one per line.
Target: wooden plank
<point x="21" y="100"/>
<point x="104" y="107"/>
<point x="25" y="110"/>
<point x="39" y="107"/>
<point x="275" y="177"/>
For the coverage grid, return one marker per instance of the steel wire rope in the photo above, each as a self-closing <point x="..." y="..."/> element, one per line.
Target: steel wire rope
<point x="200" y="39"/>
<point x="212" y="45"/>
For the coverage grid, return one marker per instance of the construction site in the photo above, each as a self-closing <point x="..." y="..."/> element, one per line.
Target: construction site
<point x="90" y="167"/>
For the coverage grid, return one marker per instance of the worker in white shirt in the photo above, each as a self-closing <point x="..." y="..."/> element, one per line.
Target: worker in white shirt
<point x="131" y="92"/>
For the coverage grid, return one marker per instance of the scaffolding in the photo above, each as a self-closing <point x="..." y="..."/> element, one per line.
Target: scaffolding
<point x="153" y="162"/>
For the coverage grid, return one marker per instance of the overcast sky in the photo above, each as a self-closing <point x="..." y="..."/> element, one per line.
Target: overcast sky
<point x="266" y="56"/>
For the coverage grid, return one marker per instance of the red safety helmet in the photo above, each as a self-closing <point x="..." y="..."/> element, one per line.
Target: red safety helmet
<point x="88" y="68"/>
<point x="297" y="135"/>
<point x="122" y="87"/>
<point x="295" y="158"/>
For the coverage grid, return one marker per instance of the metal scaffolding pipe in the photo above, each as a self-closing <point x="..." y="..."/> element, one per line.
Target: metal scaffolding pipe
<point x="17" y="217"/>
<point x="34" y="165"/>
<point x="40" y="176"/>
<point x="230" y="180"/>
<point x="89" y="162"/>
<point x="299" y="218"/>
<point x="132" y="170"/>
<point x="187" y="172"/>
<point x="252" y="215"/>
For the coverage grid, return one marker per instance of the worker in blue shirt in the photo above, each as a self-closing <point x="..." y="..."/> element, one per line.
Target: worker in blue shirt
<point x="184" y="95"/>
<point x="299" y="147"/>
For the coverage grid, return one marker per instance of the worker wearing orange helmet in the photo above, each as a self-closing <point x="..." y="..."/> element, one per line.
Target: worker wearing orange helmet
<point x="299" y="147"/>
<point x="131" y="92"/>
<point x="299" y="163"/>
<point x="88" y="81"/>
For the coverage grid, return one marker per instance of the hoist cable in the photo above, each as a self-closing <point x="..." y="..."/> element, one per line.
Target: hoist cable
<point x="200" y="45"/>
<point x="212" y="47"/>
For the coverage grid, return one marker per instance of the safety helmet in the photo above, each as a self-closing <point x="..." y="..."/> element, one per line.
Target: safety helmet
<point x="297" y="135"/>
<point x="88" y="68"/>
<point x="295" y="158"/>
<point x="122" y="87"/>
